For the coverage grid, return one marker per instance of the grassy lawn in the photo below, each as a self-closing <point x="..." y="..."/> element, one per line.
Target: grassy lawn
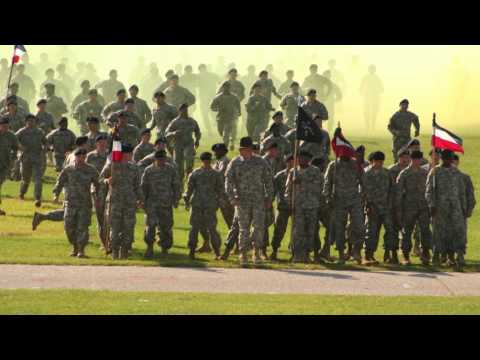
<point x="84" y="302"/>
<point x="48" y="245"/>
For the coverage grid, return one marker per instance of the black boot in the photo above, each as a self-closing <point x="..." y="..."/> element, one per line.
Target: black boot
<point x="394" y="259"/>
<point x="273" y="256"/>
<point x="149" y="252"/>
<point x="74" y="251"/>
<point x="115" y="254"/>
<point x="436" y="259"/>
<point x="226" y="254"/>
<point x="386" y="257"/>
<point x="191" y="254"/>
<point x="425" y="258"/>
<point x="406" y="258"/>
<point x="81" y="252"/>
<point x="124" y="252"/>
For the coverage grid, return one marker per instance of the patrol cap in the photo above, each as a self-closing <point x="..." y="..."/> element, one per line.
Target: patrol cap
<point x="246" y="143"/>
<point x="413" y="142"/>
<point x="4" y="120"/>
<point x="81" y="140"/>
<point x="101" y="137"/>
<point x="417" y="154"/>
<point x="294" y="84"/>
<point x="85" y="83"/>
<point x="121" y="91"/>
<point x="41" y="101"/>
<point x="403" y="152"/>
<point x="219" y="147"/>
<point x="145" y="131"/>
<point x="277" y="113"/>
<point x="127" y="148"/>
<point x="447" y="154"/>
<point x="160" y="140"/>
<point x="404" y="101"/>
<point x="312" y="92"/>
<point x="304" y="154"/>
<point x="206" y="156"/>
<point x="92" y="92"/>
<point x="183" y="106"/>
<point x="130" y="101"/>
<point x="11" y="102"/>
<point x="93" y="119"/>
<point x="160" y="154"/>
<point x="80" y="151"/>
<point x="133" y="87"/>
<point x="63" y="120"/>
<point x="158" y="94"/>
<point x="289" y="157"/>
<point x="378" y="155"/>
<point x="272" y="145"/>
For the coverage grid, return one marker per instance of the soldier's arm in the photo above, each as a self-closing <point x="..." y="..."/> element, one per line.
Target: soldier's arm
<point x="138" y="188"/>
<point x="230" y="188"/>
<point x="60" y="184"/>
<point x="241" y="96"/>
<point x="95" y="182"/>
<point x="170" y="130"/>
<point x="471" y="201"/>
<point x="268" y="181"/>
<point x="430" y="191"/>
<point x="283" y="103"/>
<point x="144" y="185"/>
<point x="190" y="98"/>
<point x="190" y="188"/>
<point x="328" y="181"/>
<point x="214" y="105"/>
<point x="238" y="107"/>
<point x="416" y="124"/>
<point x="391" y="126"/>
<point x="324" y="112"/>
<point x="148" y="113"/>
<point x="198" y="133"/>
<point x="176" y="186"/>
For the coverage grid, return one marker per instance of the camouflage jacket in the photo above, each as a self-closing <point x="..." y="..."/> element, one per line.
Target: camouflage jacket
<point x="236" y="88"/>
<point x="221" y="165"/>
<point x="161" y="186"/>
<point x="321" y="150"/>
<point x="268" y="88"/>
<point x="61" y="141"/>
<point x="250" y="181"/>
<point x="410" y="189"/>
<point x="179" y="95"/>
<point x="320" y="83"/>
<point x="283" y="144"/>
<point x="87" y="109"/>
<point x="316" y="108"/>
<point x="92" y="139"/>
<point x="258" y="107"/>
<point x="109" y="89"/>
<point x="21" y="103"/>
<point x="205" y="188"/>
<point x="45" y="122"/>
<point x="377" y="186"/>
<point x="97" y="160"/>
<point x="308" y="187"/>
<point x="142" y="150"/>
<point x="394" y="170"/>
<point x="343" y="182"/>
<point x="162" y="116"/>
<point x="150" y="159"/>
<point x="110" y="110"/>
<point x="128" y="134"/>
<point x="8" y="149"/>
<point x="470" y="195"/>
<point x="290" y="104"/>
<point x="401" y="123"/>
<point x="143" y="111"/>
<point x="187" y="127"/>
<point x="276" y="164"/>
<point x="227" y="107"/>
<point x="15" y="121"/>
<point x="284" y="129"/>
<point x="77" y="182"/>
<point x="279" y="190"/>
<point x="56" y="106"/>
<point x="32" y="143"/>
<point x="125" y="187"/>
<point x="446" y="189"/>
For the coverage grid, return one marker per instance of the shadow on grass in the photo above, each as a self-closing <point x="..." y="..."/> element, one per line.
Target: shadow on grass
<point x="318" y="273"/>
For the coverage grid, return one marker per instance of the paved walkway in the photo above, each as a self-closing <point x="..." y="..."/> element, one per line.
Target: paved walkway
<point x="254" y="281"/>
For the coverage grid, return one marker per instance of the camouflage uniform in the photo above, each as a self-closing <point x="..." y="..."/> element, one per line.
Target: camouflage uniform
<point x="268" y="88"/>
<point x="84" y="110"/>
<point x="110" y="111"/>
<point x="205" y="188"/>
<point x="142" y="150"/>
<point x="343" y="189"/>
<point x="109" y="89"/>
<point x="184" y="148"/>
<point x="16" y="121"/>
<point x="258" y="107"/>
<point x="315" y="107"/>
<point x="179" y="95"/>
<point x="290" y="104"/>
<point x="447" y="194"/>
<point x="32" y="143"/>
<point x="121" y="202"/>
<point x="320" y="150"/>
<point x="320" y="83"/>
<point x="399" y="125"/>
<point x="161" y="189"/>
<point x="227" y="107"/>
<point x="470" y="200"/>
<point x="8" y="152"/>
<point x="282" y="128"/>
<point x="143" y="111"/>
<point x="282" y="143"/>
<point x="133" y="119"/>
<point x="98" y="161"/>
<point x="412" y="206"/>
<point x="150" y="159"/>
<point x="92" y="141"/>
<point x="56" y="106"/>
<point x="308" y="191"/>
<point x="21" y="103"/>
<point x="291" y="136"/>
<point x="249" y="182"/>
<point x="77" y="182"/>
<point x="226" y="208"/>
<point x="276" y="165"/>
<point x="45" y="122"/>
<point x="394" y="171"/>
<point x="162" y="116"/>
<point x="283" y="208"/>
<point x="236" y="88"/>
<point x="128" y="134"/>
<point x="378" y="191"/>
<point x="61" y="141"/>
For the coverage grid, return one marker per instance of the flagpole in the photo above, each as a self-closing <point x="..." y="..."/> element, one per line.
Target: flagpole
<point x="11" y="73"/>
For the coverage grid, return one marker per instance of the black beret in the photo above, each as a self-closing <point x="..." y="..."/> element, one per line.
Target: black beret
<point x="127" y="148"/>
<point x="404" y="101"/>
<point x="129" y="101"/>
<point x="304" y="154"/>
<point x="378" y="155"/>
<point x="4" y="120"/>
<point x="294" y="84"/>
<point x="49" y="85"/>
<point x="121" y="91"/>
<point x="413" y="142"/>
<point x="30" y="116"/>
<point x="277" y="113"/>
<point x="403" y="152"/>
<point x="205" y="156"/>
<point x="145" y="131"/>
<point x="160" y="140"/>
<point x="160" y="154"/>
<point x="41" y="101"/>
<point x="62" y="120"/>
<point x="220" y="147"/>
<point x="133" y="87"/>
<point x="417" y="154"/>
<point x="360" y="149"/>
<point x="263" y="72"/>
<point x="81" y="140"/>
<point x="173" y="77"/>
<point x="246" y="142"/>
<point x="158" y="94"/>
<point x="101" y="137"/>
<point x="93" y="119"/>
<point x="232" y="70"/>
<point x="80" y="151"/>
<point x="447" y="154"/>
<point x="312" y="92"/>
<point x="92" y="92"/>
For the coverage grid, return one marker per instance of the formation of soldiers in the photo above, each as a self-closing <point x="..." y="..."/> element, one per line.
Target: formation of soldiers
<point x="429" y="201"/>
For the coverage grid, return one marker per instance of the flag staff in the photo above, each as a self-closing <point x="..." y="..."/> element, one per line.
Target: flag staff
<point x="11" y="72"/>
<point x="292" y="205"/>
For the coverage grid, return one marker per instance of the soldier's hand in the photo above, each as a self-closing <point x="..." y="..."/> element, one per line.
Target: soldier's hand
<point x="417" y="133"/>
<point x="197" y="144"/>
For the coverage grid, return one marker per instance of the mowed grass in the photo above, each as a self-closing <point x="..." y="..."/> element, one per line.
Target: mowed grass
<point x="85" y="302"/>
<point x="48" y="245"/>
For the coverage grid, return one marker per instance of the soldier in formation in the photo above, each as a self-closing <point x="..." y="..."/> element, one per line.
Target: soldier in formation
<point x="61" y="142"/>
<point x="8" y="152"/>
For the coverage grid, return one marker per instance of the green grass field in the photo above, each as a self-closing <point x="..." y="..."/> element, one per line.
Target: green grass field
<point x="48" y="245"/>
<point x="84" y="302"/>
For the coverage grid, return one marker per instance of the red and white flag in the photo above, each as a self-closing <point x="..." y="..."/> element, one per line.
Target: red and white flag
<point x="444" y="139"/>
<point x="18" y="52"/>
<point x="341" y="146"/>
<point x="116" y="154"/>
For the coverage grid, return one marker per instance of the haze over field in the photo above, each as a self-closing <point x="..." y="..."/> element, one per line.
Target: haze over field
<point x="441" y="79"/>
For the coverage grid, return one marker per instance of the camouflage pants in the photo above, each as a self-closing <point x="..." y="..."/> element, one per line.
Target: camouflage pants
<point x="449" y="229"/>
<point x="184" y="158"/>
<point x="256" y="126"/>
<point x="227" y="212"/>
<point x="76" y="223"/>
<point x="340" y="214"/>
<point x="160" y="217"/>
<point x="3" y="177"/>
<point x="374" y="222"/>
<point x="59" y="161"/>
<point x="304" y="226"/>
<point x="203" y="220"/>
<point x="280" y="227"/>
<point x="398" y="143"/>
<point x="410" y="218"/>
<point x="29" y="169"/>
<point x="55" y="215"/>
<point x="269" y="221"/>
<point x="100" y="215"/>
<point x="233" y="234"/>
<point x="323" y="219"/>
<point x="251" y="219"/>
<point x="228" y="131"/>
<point x="122" y="225"/>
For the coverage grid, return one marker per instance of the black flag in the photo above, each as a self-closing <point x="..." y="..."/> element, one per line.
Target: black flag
<point x="307" y="129"/>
